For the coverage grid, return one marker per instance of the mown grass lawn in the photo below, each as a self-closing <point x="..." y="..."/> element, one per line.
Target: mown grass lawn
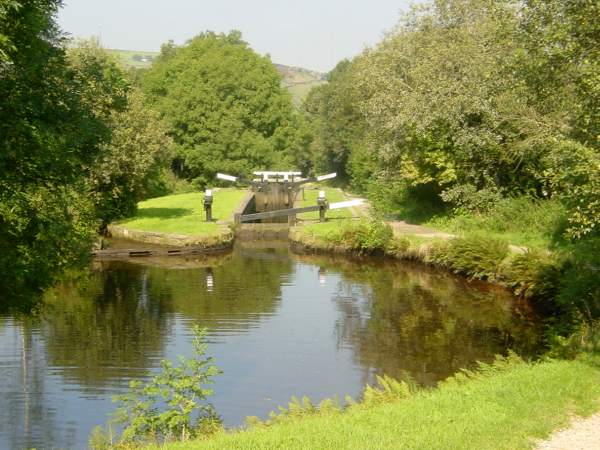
<point x="503" y="410"/>
<point x="184" y="213"/>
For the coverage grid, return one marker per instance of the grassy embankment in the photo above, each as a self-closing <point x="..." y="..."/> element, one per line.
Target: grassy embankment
<point x="536" y="225"/>
<point x="183" y="214"/>
<point x="481" y="249"/>
<point x="507" y="405"/>
<point x="333" y="195"/>
<point x="559" y="278"/>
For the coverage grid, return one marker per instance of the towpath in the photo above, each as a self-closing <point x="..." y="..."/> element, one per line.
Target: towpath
<point x="583" y="434"/>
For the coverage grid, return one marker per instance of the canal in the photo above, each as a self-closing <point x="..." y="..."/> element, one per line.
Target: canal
<point x="278" y="325"/>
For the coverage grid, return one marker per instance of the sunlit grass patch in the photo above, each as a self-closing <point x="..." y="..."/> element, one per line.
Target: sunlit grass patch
<point x="184" y="213"/>
<point x="333" y="195"/>
<point x="521" y="221"/>
<point x="506" y="407"/>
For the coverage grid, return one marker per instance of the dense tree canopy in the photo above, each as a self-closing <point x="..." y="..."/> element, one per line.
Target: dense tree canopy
<point x="129" y="162"/>
<point x="47" y="136"/>
<point x="469" y="101"/>
<point x="66" y="122"/>
<point x="562" y="42"/>
<point x="225" y="107"/>
<point x="337" y="125"/>
<point x="445" y="105"/>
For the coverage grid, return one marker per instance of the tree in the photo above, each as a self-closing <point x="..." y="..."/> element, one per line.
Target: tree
<point x="224" y="105"/>
<point x="129" y="162"/>
<point x="76" y="149"/>
<point x="48" y="136"/>
<point x="338" y="125"/>
<point x="440" y="94"/>
<point x="562" y="59"/>
<point x="447" y="109"/>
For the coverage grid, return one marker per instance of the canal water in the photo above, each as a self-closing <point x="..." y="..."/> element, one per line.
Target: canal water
<point x="278" y="324"/>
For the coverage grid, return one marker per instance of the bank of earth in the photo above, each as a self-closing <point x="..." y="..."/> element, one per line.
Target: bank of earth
<point x="179" y="220"/>
<point x="509" y="405"/>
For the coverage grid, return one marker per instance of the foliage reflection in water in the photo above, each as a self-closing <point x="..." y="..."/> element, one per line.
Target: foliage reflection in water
<point x="279" y="325"/>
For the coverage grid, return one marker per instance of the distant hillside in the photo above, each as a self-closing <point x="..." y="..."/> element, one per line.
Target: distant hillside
<point x="297" y="80"/>
<point x="134" y="58"/>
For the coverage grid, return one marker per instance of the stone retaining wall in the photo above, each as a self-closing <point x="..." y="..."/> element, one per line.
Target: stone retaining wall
<point x="225" y="237"/>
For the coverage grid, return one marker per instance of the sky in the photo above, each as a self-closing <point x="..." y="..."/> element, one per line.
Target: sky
<point x="314" y="34"/>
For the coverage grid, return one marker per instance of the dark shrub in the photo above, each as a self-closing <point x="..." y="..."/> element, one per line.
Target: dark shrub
<point x="477" y="256"/>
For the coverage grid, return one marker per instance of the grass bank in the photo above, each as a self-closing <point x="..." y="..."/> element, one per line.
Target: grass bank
<point x="182" y="215"/>
<point x="523" y="221"/>
<point x="563" y="286"/>
<point x="506" y="405"/>
<point x="333" y="195"/>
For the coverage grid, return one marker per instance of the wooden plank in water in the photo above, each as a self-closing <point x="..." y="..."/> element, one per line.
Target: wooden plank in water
<point x="118" y="253"/>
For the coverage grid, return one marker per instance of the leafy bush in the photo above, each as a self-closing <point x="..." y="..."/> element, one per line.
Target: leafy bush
<point x="500" y="364"/>
<point x="181" y="390"/>
<point x="396" y="199"/>
<point x="574" y="176"/>
<point x="388" y="390"/>
<point x="476" y="256"/>
<point x="296" y="408"/>
<point x="524" y="220"/>
<point x="580" y="284"/>
<point x="585" y="339"/>
<point x="385" y="390"/>
<point x="526" y="214"/>
<point x="467" y="199"/>
<point x="367" y="236"/>
<point x="532" y="274"/>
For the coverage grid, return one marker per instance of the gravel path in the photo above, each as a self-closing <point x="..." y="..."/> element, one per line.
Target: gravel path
<point x="401" y="227"/>
<point x="583" y="434"/>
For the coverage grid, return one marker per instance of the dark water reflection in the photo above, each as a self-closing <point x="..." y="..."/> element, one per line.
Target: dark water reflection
<point x="279" y="325"/>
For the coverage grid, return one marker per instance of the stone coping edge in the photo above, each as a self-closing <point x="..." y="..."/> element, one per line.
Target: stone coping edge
<point x="225" y="237"/>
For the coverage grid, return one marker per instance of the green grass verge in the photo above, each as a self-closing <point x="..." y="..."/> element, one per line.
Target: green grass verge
<point x="497" y="409"/>
<point x="333" y="195"/>
<point x="184" y="213"/>
<point x="344" y="235"/>
<point x="522" y="221"/>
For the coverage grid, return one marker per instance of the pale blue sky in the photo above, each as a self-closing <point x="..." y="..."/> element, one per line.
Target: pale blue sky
<point x="314" y="34"/>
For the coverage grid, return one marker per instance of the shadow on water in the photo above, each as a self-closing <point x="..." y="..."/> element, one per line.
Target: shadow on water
<point x="279" y="325"/>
